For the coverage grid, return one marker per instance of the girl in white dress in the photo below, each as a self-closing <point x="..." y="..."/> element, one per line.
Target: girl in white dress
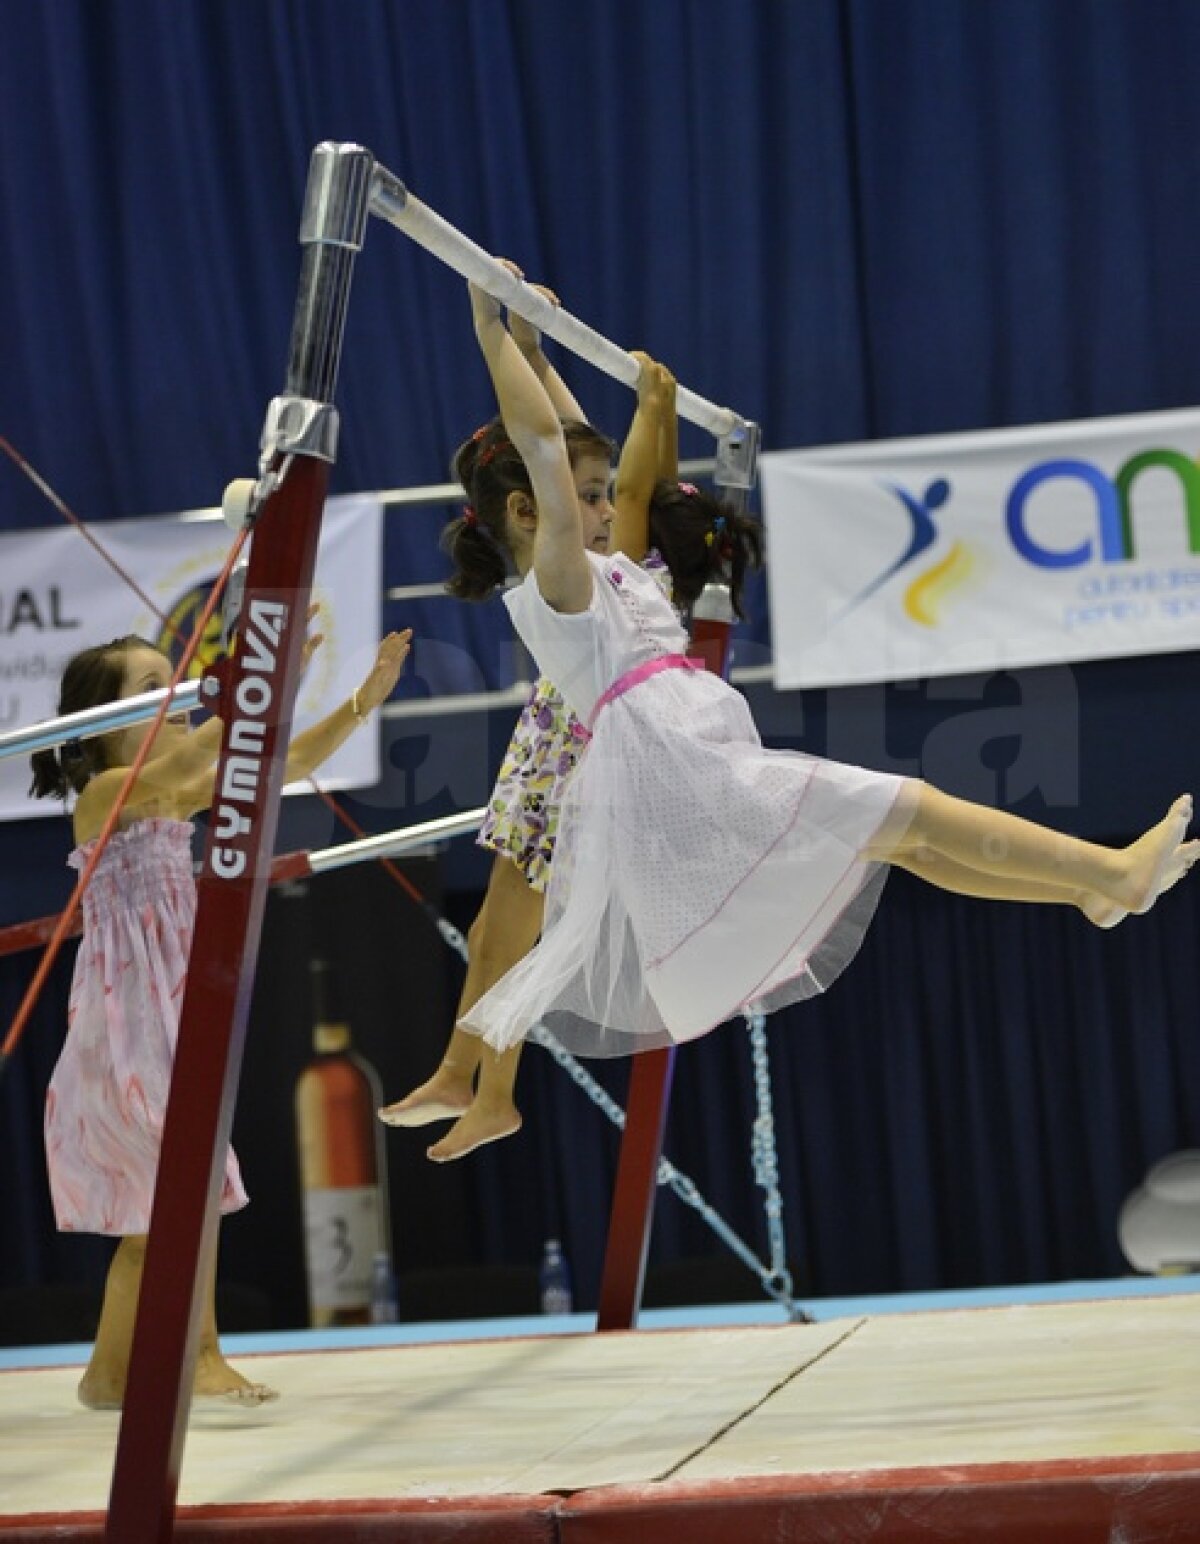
<point x="651" y="513"/>
<point x="697" y="872"/>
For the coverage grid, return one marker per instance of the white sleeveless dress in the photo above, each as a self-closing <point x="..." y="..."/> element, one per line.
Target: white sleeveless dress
<point x="696" y="872"/>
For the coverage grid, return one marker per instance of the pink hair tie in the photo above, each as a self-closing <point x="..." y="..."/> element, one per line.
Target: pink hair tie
<point x="689" y="488"/>
<point x="470" y="518"/>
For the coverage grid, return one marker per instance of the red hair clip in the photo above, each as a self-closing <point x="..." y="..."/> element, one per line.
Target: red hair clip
<point x="470" y="518"/>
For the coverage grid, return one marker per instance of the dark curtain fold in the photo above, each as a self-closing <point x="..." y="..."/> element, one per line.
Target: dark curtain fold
<point x="844" y="218"/>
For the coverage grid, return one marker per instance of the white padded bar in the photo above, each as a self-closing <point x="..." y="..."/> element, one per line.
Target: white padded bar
<point x="391" y="201"/>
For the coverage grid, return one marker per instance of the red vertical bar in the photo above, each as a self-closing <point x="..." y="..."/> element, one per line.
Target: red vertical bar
<point x="231" y="894"/>
<point x="646" y="1108"/>
<point x="633" y="1194"/>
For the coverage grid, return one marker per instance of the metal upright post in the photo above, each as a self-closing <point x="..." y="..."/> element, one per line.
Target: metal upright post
<point x="299" y="443"/>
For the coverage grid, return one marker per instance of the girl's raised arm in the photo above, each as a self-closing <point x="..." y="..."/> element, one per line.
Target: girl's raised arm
<point x="533" y="426"/>
<point x="184" y="775"/>
<point x="529" y="340"/>
<point x="647" y="457"/>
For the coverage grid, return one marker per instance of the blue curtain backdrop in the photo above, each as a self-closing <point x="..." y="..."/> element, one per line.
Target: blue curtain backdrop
<point x="845" y="218"/>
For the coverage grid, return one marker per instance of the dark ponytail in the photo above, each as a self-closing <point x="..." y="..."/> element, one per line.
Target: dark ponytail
<point x="480" y="565"/>
<point x="92" y="677"/>
<point x="703" y="539"/>
<point x="489" y="468"/>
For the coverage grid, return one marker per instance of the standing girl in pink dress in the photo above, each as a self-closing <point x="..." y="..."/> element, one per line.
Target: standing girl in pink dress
<point x="697" y="872"/>
<point x="108" y="1093"/>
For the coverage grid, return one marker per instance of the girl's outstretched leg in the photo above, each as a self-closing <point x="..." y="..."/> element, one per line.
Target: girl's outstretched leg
<point x="947" y="874"/>
<point x="974" y="836"/>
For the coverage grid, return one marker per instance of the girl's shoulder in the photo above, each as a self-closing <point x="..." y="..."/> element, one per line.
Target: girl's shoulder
<point x="97" y="798"/>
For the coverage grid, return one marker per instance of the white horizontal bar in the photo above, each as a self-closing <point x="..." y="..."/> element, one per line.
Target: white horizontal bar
<point x="402" y="498"/>
<point x="392" y="843"/>
<point x="392" y="201"/>
<point x="94" y="721"/>
<point x="515" y="696"/>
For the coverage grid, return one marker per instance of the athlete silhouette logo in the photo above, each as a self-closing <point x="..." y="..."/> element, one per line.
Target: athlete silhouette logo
<point x="925" y="592"/>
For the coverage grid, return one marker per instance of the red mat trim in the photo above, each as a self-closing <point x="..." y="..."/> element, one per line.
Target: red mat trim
<point x="1066" y="1501"/>
<point x="404" y="1520"/>
<point x="1060" y="1501"/>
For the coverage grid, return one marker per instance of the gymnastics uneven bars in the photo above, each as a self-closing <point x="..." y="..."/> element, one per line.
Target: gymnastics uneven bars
<point x="737" y="437"/>
<point x="258" y="688"/>
<point x="93" y="721"/>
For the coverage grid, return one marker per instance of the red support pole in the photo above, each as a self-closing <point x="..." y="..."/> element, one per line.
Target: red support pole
<point x="632" y="1212"/>
<point x="646" y="1109"/>
<point x="231" y="891"/>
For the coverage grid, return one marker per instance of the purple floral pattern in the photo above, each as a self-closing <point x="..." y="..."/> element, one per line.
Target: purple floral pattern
<point x="522" y="819"/>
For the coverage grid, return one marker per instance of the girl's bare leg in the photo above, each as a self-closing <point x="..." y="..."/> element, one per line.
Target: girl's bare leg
<point x="215" y="1378"/>
<point x="947" y="874"/>
<point x="103" y="1384"/>
<point x="507" y="927"/>
<point x="997" y="843"/>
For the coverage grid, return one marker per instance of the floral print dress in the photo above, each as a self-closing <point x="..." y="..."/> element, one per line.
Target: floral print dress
<point x="522" y="818"/>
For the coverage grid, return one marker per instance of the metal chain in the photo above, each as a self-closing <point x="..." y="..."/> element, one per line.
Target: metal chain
<point x="764" y="1152"/>
<point x="775" y="1278"/>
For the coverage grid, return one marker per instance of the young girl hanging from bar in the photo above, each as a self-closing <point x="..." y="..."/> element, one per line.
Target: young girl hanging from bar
<point x="697" y="872"/>
<point x="655" y="521"/>
<point x="107" y="1096"/>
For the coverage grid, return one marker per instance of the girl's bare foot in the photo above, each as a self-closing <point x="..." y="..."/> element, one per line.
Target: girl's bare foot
<point x="1158" y="859"/>
<point x="480" y="1125"/>
<point x="1102" y="912"/>
<point x="1105" y="913"/>
<point x="1152" y="862"/>
<point x="216" y="1379"/>
<point x="446" y="1096"/>
<point x="98" y="1392"/>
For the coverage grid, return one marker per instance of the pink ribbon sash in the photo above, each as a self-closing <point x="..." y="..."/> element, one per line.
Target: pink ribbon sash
<point x="637" y="675"/>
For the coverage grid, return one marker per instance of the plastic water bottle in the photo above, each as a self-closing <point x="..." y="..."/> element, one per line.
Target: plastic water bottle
<point x="555" y="1279"/>
<point x="383" y="1290"/>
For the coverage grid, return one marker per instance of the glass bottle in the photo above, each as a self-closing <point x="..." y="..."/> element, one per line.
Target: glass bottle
<point x="343" y="1179"/>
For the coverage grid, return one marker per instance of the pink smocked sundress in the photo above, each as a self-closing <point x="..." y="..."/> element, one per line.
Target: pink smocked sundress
<point x="696" y="872"/>
<point x="108" y="1094"/>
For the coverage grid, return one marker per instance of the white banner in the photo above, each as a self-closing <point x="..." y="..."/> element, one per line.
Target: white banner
<point x="58" y="596"/>
<point x="901" y="559"/>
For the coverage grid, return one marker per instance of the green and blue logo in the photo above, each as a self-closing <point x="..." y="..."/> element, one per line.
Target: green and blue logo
<point x="1112" y="540"/>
